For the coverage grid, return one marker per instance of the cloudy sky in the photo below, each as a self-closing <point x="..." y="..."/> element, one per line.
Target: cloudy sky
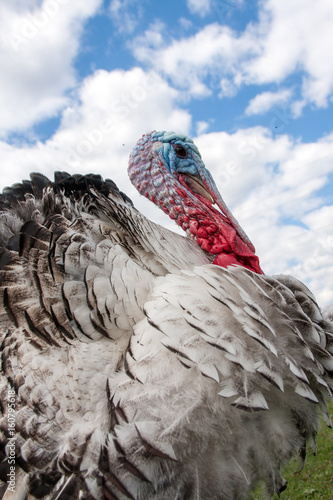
<point x="251" y="82"/>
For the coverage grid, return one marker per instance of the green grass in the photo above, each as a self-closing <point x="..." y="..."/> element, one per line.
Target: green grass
<point x="315" y="481"/>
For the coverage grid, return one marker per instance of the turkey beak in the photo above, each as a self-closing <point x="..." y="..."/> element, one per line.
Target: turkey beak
<point x="198" y="187"/>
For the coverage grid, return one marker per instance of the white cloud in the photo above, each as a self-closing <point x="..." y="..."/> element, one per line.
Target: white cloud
<point x="228" y="88"/>
<point x="289" y="37"/>
<point x="263" y="102"/>
<point x="201" y="7"/>
<point x="38" y="45"/>
<point x="272" y="186"/>
<point x="189" y="61"/>
<point x="125" y="14"/>
<point x="201" y="127"/>
<point x="325" y="215"/>
<point x="98" y="130"/>
<point x="295" y="36"/>
<point x="276" y="177"/>
<point x="185" y="23"/>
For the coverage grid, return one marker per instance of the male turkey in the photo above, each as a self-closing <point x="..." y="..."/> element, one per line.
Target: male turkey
<point x="136" y="363"/>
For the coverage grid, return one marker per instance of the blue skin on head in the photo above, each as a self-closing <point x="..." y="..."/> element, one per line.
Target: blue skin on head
<point x="192" y="164"/>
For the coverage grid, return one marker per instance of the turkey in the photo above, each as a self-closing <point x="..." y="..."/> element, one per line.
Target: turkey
<point x="140" y="364"/>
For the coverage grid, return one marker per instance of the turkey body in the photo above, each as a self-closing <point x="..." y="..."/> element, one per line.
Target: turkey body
<point x="133" y="367"/>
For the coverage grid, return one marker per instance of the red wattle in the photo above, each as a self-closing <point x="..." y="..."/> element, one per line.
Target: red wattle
<point x="225" y="260"/>
<point x="205" y="245"/>
<point x="221" y="247"/>
<point x="202" y="233"/>
<point x="211" y="229"/>
<point x="194" y="224"/>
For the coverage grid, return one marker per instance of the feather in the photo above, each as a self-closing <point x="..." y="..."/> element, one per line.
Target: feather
<point x="143" y="364"/>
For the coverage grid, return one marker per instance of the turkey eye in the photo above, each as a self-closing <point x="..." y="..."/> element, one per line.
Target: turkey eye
<point x="180" y="151"/>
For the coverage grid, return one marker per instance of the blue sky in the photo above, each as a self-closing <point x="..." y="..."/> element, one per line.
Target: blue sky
<point x="251" y="82"/>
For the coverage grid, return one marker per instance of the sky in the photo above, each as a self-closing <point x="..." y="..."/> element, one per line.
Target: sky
<point x="250" y="82"/>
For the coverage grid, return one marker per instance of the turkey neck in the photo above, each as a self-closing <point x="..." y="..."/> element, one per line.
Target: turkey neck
<point x="196" y="215"/>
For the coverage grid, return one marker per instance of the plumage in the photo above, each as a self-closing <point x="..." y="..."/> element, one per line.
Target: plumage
<point x="137" y="363"/>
